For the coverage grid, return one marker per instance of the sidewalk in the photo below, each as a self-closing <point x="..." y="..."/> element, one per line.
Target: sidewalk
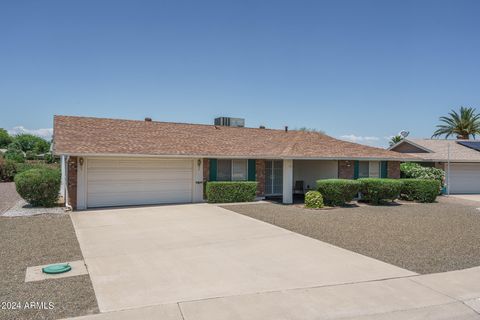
<point x="449" y="295"/>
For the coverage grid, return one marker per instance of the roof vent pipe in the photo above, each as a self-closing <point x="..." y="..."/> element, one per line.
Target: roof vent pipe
<point x="147" y="119"/>
<point x="286" y="128"/>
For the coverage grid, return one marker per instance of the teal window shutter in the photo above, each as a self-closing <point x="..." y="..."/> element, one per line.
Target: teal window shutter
<point x="383" y="169"/>
<point x="356" y="165"/>
<point x="213" y="169"/>
<point x="251" y="170"/>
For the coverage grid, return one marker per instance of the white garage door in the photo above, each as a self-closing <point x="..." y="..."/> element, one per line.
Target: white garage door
<point x="117" y="182"/>
<point x="464" y="178"/>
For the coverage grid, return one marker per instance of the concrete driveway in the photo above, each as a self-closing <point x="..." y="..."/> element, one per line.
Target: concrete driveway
<point x="201" y="261"/>
<point x="470" y="197"/>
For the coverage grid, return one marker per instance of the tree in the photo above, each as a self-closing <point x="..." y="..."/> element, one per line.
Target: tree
<point x="462" y="125"/>
<point x="5" y="138"/>
<point x="310" y="130"/>
<point x="29" y="142"/>
<point x="395" y="139"/>
<point x="14" y="152"/>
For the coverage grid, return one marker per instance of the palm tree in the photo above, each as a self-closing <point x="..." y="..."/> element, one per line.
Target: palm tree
<point x="395" y="139"/>
<point x="463" y="125"/>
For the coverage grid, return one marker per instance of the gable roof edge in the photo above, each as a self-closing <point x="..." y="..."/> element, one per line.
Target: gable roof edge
<point x="411" y="143"/>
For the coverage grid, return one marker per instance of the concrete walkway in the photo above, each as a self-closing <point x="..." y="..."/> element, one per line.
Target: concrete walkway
<point x="204" y="262"/>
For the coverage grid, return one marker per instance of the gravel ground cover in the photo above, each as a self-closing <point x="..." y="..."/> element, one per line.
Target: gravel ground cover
<point x="38" y="240"/>
<point x="22" y="208"/>
<point x="425" y="238"/>
<point x="8" y="196"/>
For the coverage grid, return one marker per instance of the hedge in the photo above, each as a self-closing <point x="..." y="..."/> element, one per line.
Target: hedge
<point x="415" y="171"/>
<point x="39" y="187"/>
<point x="376" y="190"/>
<point x="337" y="192"/>
<point x="421" y="190"/>
<point x="313" y="199"/>
<point x="231" y="191"/>
<point x="8" y="170"/>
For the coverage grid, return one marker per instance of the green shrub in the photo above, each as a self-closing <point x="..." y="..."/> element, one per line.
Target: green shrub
<point x="14" y="155"/>
<point x="8" y="170"/>
<point x="21" y="167"/>
<point x="30" y="155"/>
<point x="337" y="192"/>
<point x="421" y="190"/>
<point x="39" y="187"/>
<point x="376" y="190"/>
<point x="50" y="158"/>
<point x="313" y="199"/>
<point x="5" y="138"/>
<point x="231" y="191"/>
<point x="415" y="171"/>
<point x="30" y="142"/>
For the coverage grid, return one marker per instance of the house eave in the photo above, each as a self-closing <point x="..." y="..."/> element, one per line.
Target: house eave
<point x="411" y="143"/>
<point x="192" y="156"/>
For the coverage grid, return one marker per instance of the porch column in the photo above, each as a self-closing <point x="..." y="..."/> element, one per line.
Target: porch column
<point x="287" y="181"/>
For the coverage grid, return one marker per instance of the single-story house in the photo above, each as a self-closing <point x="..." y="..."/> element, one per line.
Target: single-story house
<point x="463" y="173"/>
<point x="109" y="162"/>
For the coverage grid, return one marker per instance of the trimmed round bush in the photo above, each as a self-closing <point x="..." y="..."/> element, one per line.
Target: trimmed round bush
<point x="39" y="187"/>
<point x="337" y="192"/>
<point x="313" y="199"/>
<point x="421" y="190"/>
<point x="231" y="191"/>
<point x="376" y="190"/>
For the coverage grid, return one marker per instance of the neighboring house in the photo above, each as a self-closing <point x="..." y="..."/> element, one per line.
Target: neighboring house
<point x="109" y="162"/>
<point x="463" y="155"/>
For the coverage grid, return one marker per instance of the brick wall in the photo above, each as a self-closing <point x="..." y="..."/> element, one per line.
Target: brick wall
<point x="260" y="176"/>
<point x="345" y="169"/>
<point x="440" y="165"/>
<point x="206" y="169"/>
<point x="72" y="182"/>
<point x="393" y="169"/>
<point x="206" y="176"/>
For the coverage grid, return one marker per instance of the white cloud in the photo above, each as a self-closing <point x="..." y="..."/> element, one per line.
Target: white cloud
<point x="44" y="132"/>
<point x="354" y="138"/>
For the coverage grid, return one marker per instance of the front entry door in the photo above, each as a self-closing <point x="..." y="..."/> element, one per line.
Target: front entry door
<point x="273" y="177"/>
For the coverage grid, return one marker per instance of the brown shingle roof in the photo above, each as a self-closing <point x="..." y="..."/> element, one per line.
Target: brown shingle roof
<point x="440" y="149"/>
<point x="88" y="136"/>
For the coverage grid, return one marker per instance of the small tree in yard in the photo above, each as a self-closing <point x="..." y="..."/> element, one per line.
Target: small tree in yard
<point x="29" y="142"/>
<point x="5" y="138"/>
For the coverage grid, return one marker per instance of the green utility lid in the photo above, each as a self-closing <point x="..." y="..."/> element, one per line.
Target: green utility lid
<point x="57" y="268"/>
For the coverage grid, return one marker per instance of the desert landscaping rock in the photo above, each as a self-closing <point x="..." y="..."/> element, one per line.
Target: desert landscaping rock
<point x="39" y="240"/>
<point x="23" y="209"/>
<point x="425" y="238"/>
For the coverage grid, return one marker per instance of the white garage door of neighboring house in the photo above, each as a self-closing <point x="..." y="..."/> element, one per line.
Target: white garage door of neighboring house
<point x="117" y="182"/>
<point x="465" y="178"/>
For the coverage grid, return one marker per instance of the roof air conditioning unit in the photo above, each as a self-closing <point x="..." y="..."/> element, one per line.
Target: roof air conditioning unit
<point x="230" y="122"/>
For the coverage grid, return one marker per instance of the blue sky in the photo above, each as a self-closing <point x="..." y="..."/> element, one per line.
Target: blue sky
<point x="362" y="70"/>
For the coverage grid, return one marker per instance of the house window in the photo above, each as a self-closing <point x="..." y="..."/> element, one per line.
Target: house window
<point x="224" y="170"/>
<point x="239" y="170"/>
<point x="363" y="169"/>
<point x="232" y="170"/>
